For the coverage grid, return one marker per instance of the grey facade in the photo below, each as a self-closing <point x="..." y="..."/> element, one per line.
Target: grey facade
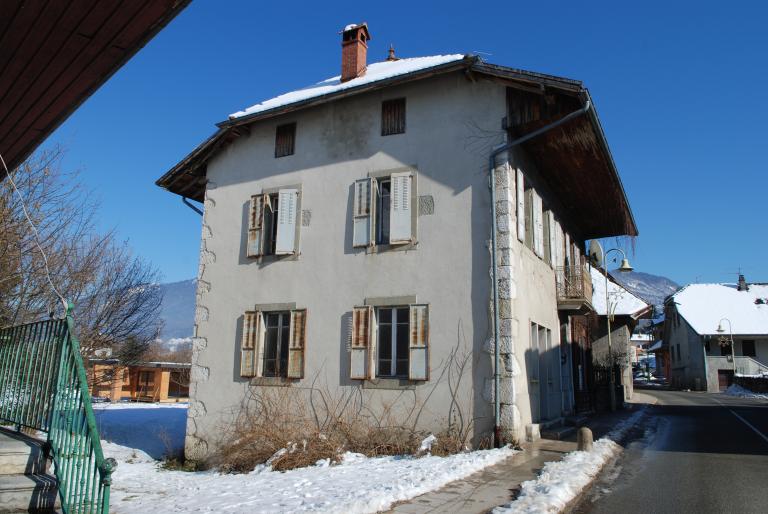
<point x="453" y="123"/>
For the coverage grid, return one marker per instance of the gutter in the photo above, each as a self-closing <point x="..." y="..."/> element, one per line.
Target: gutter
<point x="492" y="174"/>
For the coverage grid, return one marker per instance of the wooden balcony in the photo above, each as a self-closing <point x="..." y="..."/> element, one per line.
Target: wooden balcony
<point x="574" y="288"/>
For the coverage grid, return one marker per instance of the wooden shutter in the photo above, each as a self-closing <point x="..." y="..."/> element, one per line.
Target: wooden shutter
<point x="418" y="361"/>
<point x="362" y="318"/>
<point x="400" y="208"/>
<point x="552" y="238"/>
<point x="286" y="221"/>
<point x="250" y="346"/>
<point x="559" y="257"/>
<point x="363" y="213"/>
<point x="520" y="206"/>
<point x="297" y="343"/>
<point x="538" y="225"/>
<point x="255" y="225"/>
<point x="393" y="117"/>
<point x="567" y="248"/>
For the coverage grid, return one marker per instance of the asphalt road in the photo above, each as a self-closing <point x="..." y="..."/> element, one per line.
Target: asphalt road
<point x="693" y="452"/>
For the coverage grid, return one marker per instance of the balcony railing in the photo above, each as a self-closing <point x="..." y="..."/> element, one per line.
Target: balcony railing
<point x="574" y="287"/>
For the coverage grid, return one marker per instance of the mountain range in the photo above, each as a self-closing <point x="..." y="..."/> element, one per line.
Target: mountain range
<point x="651" y="288"/>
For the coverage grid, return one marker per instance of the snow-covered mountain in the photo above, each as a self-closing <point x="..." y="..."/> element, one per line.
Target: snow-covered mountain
<point x="178" y="309"/>
<point x="651" y="288"/>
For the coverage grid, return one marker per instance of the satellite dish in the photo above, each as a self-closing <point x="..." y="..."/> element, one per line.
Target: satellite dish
<point x="595" y="253"/>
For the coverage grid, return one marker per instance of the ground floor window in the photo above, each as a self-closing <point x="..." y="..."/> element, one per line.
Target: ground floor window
<point x="393" y="337"/>
<point x="277" y="331"/>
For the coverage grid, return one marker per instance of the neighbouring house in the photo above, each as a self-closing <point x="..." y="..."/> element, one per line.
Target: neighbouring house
<point x="701" y="320"/>
<point x="625" y="310"/>
<point x="640" y="344"/>
<point x="143" y="382"/>
<point x="348" y="243"/>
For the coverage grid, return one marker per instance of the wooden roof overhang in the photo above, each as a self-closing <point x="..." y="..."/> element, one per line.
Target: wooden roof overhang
<point x="55" y="54"/>
<point x="574" y="158"/>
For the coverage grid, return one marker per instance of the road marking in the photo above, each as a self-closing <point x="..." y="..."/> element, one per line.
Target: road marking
<point x="750" y="425"/>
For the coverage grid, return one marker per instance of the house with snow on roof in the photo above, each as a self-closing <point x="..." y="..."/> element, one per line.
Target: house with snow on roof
<point x="716" y="331"/>
<point x="380" y="231"/>
<point x="625" y="310"/>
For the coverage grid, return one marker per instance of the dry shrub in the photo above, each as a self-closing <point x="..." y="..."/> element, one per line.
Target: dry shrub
<point x="289" y="428"/>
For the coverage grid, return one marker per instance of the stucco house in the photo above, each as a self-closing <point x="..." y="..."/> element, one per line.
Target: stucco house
<point x="701" y="320"/>
<point x="370" y="230"/>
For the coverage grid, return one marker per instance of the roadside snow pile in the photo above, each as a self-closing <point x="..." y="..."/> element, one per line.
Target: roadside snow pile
<point x="740" y="392"/>
<point x="357" y="485"/>
<point x="561" y="481"/>
<point x="155" y="428"/>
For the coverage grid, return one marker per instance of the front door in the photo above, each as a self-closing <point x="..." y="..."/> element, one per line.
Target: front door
<point x="724" y="378"/>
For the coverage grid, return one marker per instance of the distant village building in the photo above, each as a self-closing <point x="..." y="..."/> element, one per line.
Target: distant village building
<point x="348" y="236"/>
<point x="144" y="382"/>
<point x="699" y="322"/>
<point x="625" y="310"/>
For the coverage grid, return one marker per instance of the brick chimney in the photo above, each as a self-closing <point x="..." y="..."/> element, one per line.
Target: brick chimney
<point x="354" y="50"/>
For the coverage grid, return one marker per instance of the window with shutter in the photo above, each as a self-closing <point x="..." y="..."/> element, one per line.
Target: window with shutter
<point x="558" y="261"/>
<point x="363" y="213"/>
<point x="360" y="342"/>
<point x="285" y="139"/>
<point x="400" y="209"/>
<point x="285" y="243"/>
<point x="382" y="210"/>
<point x="255" y="225"/>
<point x="520" y="206"/>
<point x="393" y="117"/>
<point x="297" y="343"/>
<point x="418" y="368"/>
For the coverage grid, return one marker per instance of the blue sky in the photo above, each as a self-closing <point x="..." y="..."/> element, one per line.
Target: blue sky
<point x="680" y="89"/>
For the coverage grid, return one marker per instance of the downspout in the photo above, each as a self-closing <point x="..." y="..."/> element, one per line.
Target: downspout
<point x="191" y="206"/>
<point x="492" y="172"/>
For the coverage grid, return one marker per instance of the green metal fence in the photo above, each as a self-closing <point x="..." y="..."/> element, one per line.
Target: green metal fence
<point x="43" y="386"/>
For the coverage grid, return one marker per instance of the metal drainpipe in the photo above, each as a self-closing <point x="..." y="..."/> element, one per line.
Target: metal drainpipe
<point x="492" y="170"/>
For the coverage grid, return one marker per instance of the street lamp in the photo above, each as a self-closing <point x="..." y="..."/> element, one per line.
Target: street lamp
<point x="624" y="268"/>
<point x="720" y="330"/>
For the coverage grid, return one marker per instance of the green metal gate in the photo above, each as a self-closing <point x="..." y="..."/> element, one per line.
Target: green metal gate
<point x="43" y="386"/>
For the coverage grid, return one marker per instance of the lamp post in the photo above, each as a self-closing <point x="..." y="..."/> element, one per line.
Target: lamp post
<point x="624" y="268"/>
<point x="720" y="330"/>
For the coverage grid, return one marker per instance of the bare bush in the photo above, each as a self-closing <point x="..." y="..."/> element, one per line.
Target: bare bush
<point x="290" y="427"/>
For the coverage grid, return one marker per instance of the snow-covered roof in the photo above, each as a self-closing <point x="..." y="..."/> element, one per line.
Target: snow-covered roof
<point x="375" y="72"/>
<point x="704" y="305"/>
<point x="623" y="303"/>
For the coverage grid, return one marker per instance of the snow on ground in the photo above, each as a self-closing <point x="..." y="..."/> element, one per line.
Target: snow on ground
<point x="737" y="390"/>
<point x="155" y="428"/>
<point x="357" y="485"/>
<point x="561" y="481"/>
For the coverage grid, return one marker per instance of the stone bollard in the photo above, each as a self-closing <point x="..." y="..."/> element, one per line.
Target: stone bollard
<point x="584" y="439"/>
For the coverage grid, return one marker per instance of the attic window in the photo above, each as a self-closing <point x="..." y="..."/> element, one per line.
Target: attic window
<point x="393" y="117"/>
<point x="285" y="139"/>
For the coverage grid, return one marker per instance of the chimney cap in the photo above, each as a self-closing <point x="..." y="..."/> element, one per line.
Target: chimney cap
<point x="357" y="26"/>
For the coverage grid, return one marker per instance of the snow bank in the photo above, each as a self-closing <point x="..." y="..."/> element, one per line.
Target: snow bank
<point x="357" y="485"/>
<point x="740" y="392"/>
<point x="155" y="428"/>
<point x="561" y="481"/>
